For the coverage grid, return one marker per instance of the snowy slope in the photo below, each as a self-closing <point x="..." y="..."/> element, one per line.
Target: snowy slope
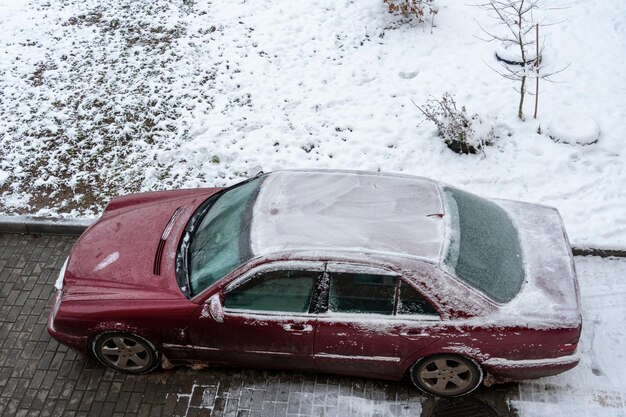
<point x="107" y="97"/>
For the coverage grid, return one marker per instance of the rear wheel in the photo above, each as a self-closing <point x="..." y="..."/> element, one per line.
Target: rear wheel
<point x="446" y="375"/>
<point x="125" y="352"/>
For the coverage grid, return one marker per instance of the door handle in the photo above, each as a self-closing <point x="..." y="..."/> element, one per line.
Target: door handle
<point x="298" y="328"/>
<point x="415" y="333"/>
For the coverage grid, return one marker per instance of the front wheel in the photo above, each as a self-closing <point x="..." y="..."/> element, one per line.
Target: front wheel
<point x="446" y="375"/>
<point x="125" y="352"/>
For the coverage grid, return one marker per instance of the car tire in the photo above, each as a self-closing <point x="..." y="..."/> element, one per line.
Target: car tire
<point x="446" y="375"/>
<point x="125" y="352"/>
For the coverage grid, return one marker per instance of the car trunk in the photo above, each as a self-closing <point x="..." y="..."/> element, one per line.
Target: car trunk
<point x="549" y="294"/>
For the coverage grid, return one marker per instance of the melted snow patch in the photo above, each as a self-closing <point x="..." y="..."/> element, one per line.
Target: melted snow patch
<point x="107" y="261"/>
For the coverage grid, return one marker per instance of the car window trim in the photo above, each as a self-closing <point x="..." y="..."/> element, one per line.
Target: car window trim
<point x="335" y="315"/>
<point x="309" y="266"/>
<point x="319" y="300"/>
<point x="278" y="315"/>
<point x="312" y="266"/>
<point x="355" y="268"/>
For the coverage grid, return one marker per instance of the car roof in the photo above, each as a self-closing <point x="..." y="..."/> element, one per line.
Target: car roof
<point x="332" y="212"/>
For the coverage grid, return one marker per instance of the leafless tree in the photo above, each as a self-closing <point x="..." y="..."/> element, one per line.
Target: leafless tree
<point x="521" y="32"/>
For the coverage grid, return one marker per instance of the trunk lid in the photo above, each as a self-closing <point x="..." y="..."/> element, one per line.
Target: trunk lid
<point x="549" y="296"/>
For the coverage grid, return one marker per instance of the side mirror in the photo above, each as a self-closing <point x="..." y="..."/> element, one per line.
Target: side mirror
<point x="216" y="309"/>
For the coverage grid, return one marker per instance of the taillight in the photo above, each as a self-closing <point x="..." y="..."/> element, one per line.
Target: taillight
<point x="569" y="347"/>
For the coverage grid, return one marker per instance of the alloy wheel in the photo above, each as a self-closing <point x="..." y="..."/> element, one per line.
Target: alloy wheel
<point x="125" y="352"/>
<point x="446" y="375"/>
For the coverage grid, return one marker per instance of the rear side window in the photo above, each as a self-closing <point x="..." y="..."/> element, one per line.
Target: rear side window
<point x="375" y="294"/>
<point x="285" y="291"/>
<point x="362" y="293"/>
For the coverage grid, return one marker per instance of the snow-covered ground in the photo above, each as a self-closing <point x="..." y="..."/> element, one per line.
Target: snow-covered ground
<point x="106" y="97"/>
<point x="597" y="387"/>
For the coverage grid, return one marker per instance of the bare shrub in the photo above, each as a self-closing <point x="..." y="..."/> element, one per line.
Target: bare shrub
<point x="417" y="9"/>
<point x="462" y="133"/>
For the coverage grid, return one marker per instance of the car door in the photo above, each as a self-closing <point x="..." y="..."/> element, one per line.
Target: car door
<point x="366" y="328"/>
<point x="261" y="319"/>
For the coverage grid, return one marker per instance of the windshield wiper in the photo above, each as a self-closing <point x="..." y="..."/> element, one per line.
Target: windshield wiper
<point x="182" y="265"/>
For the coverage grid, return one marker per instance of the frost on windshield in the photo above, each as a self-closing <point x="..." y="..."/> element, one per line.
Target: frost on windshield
<point x="218" y="236"/>
<point x="484" y="249"/>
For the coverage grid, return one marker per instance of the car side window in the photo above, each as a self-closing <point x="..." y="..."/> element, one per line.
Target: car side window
<point x="411" y="302"/>
<point x="285" y="291"/>
<point x="362" y="293"/>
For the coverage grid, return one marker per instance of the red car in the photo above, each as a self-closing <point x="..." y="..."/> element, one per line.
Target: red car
<point x="352" y="273"/>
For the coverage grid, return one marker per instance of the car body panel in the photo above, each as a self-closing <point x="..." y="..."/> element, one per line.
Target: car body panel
<point x="352" y="344"/>
<point x="550" y="295"/>
<point x="255" y="340"/>
<point x="362" y="212"/>
<point x="114" y="258"/>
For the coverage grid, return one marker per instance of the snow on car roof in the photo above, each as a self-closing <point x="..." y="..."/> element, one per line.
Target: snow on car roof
<point x="331" y="211"/>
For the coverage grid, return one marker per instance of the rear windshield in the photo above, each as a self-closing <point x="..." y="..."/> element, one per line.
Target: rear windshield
<point x="484" y="249"/>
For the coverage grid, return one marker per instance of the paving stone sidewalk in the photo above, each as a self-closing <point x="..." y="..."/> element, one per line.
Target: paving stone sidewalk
<point x="39" y="377"/>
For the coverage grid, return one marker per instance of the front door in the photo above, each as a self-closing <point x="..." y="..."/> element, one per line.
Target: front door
<point x="266" y="321"/>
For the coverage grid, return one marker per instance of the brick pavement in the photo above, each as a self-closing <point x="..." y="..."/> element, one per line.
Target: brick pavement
<point x="39" y="377"/>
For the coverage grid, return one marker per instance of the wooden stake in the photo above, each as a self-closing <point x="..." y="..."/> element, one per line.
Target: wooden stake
<point x="537" y="71"/>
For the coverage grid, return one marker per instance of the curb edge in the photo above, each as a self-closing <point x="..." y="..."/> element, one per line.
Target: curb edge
<point x="604" y="253"/>
<point x="33" y="225"/>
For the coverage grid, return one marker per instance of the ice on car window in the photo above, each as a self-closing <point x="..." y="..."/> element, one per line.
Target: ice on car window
<point x="362" y="293"/>
<point x="411" y="302"/>
<point x="274" y="291"/>
<point x="484" y="250"/>
<point x="221" y="241"/>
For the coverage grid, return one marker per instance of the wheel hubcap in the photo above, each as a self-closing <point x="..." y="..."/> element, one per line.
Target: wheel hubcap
<point x="125" y="353"/>
<point x="446" y="376"/>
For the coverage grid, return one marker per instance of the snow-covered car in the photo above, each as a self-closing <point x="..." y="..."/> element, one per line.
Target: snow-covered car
<point x="353" y="273"/>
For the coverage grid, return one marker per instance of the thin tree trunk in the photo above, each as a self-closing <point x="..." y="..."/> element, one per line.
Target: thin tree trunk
<point x="522" y="93"/>
<point x="521" y="42"/>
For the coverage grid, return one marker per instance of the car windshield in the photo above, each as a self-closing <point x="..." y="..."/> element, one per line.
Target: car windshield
<point x="217" y="237"/>
<point x="484" y="248"/>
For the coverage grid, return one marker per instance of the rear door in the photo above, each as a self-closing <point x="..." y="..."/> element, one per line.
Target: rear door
<point x="372" y="322"/>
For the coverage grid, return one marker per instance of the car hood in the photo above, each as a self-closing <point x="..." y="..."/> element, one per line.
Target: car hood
<point x="115" y="257"/>
<point x="549" y="296"/>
